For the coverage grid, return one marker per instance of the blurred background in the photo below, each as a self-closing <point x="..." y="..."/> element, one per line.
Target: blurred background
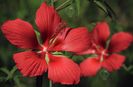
<point x="118" y="13"/>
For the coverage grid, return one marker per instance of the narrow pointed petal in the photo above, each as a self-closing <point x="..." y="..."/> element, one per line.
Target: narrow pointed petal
<point x="101" y="33"/>
<point x="113" y="62"/>
<point x="47" y="20"/>
<point x="20" y="33"/>
<point x="63" y="70"/>
<point x="75" y="40"/>
<point x="30" y="63"/>
<point x="90" y="67"/>
<point x="120" y="41"/>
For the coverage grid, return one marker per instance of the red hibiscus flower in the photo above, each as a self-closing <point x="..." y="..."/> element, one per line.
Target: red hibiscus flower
<point x="39" y="58"/>
<point x="107" y="56"/>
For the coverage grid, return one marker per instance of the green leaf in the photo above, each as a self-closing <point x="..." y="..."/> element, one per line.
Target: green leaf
<point x="70" y="11"/>
<point x="64" y="5"/>
<point x="5" y="70"/>
<point x="127" y="68"/>
<point x="13" y="70"/>
<point x="77" y="2"/>
<point x="110" y="11"/>
<point x="17" y="81"/>
<point x="11" y="74"/>
<point x="101" y="6"/>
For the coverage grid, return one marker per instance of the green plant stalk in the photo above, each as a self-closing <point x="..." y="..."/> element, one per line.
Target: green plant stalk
<point x="50" y="83"/>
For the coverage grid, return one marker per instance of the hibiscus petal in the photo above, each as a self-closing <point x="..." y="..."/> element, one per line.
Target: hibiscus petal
<point x="90" y="67"/>
<point x="113" y="62"/>
<point x="20" y="33"/>
<point x="76" y="40"/>
<point x="47" y="20"/>
<point x="63" y="70"/>
<point x="89" y="51"/>
<point x="101" y="33"/>
<point x="30" y="63"/>
<point x="58" y="41"/>
<point x="120" y="41"/>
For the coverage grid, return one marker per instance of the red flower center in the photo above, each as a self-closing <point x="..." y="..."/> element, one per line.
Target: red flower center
<point x="102" y="53"/>
<point x="44" y="49"/>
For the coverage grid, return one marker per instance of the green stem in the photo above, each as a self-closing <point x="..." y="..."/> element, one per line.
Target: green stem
<point x="50" y="83"/>
<point x="39" y="80"/>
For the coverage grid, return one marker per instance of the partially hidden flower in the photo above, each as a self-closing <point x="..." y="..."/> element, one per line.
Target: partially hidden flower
<point x="106" y="50"/>
<point x="39" y="58"/>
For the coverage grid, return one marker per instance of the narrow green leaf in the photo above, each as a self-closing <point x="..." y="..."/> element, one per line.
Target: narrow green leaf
<point x="111" y="13"/>
<point x="13" y="70"/>
<point x="127" y="68"/>
<point x="11" y="74"/>
<point x="17" y="81"/>
<point x="101" y="6"/>
<point x="64" y="5"/>
<point x="78" y="6"/>
<point x="130" y="67"/>
<point x="5" y="70"/>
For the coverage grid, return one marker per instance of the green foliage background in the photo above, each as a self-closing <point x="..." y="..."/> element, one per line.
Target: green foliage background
<point x="77" y="13"/>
